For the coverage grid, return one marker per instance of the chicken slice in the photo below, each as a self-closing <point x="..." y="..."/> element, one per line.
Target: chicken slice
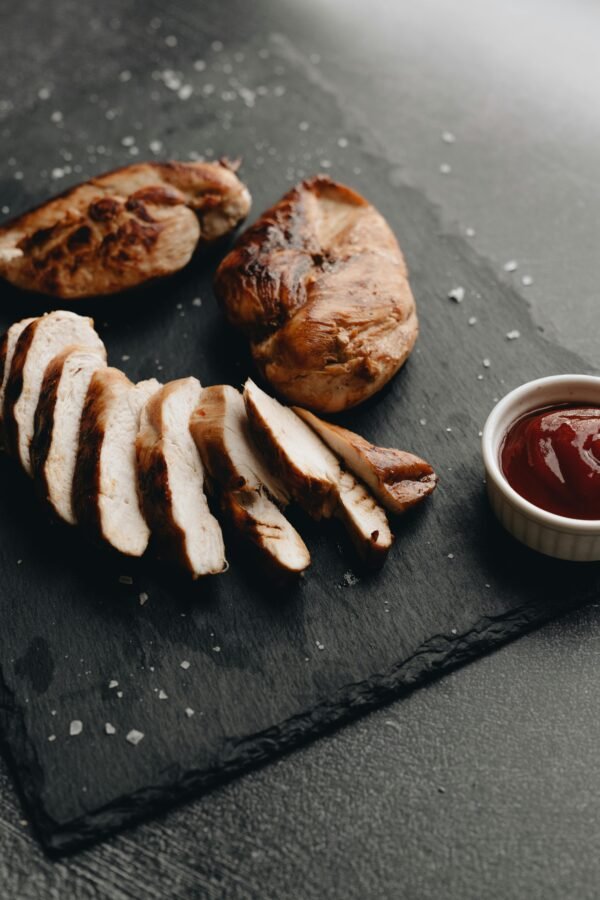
<point x="7" y="349"/>
<point x="121" y="229"/>
<point x="57" y="422"/>
<point x="171" y="481"/>
<point x="247" y="488"/>
<point x="397" y="478"/>
<point x="105" y="493"/>
<point x="320" y="287"/>
<point x="313" y="474"/>
<point x="37" y="345"/>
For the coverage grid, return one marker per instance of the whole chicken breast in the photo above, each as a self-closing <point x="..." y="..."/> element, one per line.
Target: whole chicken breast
<point x="320" y="287"/>
<point x="121" y="229"/>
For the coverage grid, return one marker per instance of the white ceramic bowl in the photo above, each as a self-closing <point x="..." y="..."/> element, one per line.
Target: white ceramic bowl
<point x="559" y="536"/>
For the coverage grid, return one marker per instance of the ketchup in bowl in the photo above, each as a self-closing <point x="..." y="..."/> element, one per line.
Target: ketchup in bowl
<point x="551" y="457"/>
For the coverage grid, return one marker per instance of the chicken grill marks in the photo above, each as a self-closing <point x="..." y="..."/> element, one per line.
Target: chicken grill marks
<point x="320" y="287"/>
<point x="121" y="229"/>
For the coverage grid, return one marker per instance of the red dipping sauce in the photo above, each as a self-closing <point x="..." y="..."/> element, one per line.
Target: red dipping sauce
<point x="552" y="458"/>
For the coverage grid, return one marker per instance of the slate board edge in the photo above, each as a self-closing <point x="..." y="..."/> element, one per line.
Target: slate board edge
<point x="434" y="658"/>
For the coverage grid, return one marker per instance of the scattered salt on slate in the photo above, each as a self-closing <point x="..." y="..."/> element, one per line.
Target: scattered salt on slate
<point x="134" y="736"/>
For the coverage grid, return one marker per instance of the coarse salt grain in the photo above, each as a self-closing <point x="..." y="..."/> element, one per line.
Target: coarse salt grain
<point x="155" y="146"/>
<point x="486" y="363"/>
<point x="526" y="280"/>
<point x="511" y="266"/>
<point x="184" y="664"/>
<point x="75" y="728"/>
<point x="113" y="684"/>
<point x="51" y="737"/>
<point x="125" y="579"/>
<point x="196" y="301"/>
<point x="473" y="320"/>
<point x="470" y="232"/>
<point x="457" y="294"/>
<point x="320" y="646"/>
<point x="110" y="729"/>
<point x="189" y="712"/>
<point x="445" y="168"/>
<point x="134" y="736"/>
<point x="171" y="40"/>
<point x="513" y="335"/>
<point x="162" y="695"/>
<point x="143" y="598"/>
<point x="448" y="137"/>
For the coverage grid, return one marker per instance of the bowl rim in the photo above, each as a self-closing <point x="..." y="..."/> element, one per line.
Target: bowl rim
<point x="491" y="441"/>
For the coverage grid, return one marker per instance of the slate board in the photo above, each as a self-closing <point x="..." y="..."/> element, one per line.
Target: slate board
<point x="268" y="668"/>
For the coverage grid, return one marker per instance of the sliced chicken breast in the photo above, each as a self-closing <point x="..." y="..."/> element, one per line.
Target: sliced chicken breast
<point x="397" y="478"/>
<point x="246" y="487"/>
<point x="171" y="481"/>
<point x="7" y="349"/>
<point x="313" y="474"/>
<point x="36" y="346"/>
<point x="55" y="440"/>
<point x="105" y="491"/>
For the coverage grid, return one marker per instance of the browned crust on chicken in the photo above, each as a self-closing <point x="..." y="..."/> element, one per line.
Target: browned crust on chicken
<point x="399" y="479"/>
<point x="317" y="496"/>
<point x="154" y="490"/>
<point x="121" y="229"/>
<point x="86" y="480"/>
<point x="44" y="421"/>
<point x="14" y="386"/>
<point x="320" y="287"/>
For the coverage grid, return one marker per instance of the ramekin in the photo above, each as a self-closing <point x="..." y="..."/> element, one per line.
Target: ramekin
<point x="546" y="532"/>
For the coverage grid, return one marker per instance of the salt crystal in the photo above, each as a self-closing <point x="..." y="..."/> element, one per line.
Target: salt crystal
<point x="56" y="116"/>
<point x="422" y="421"/>
<point x="342" y="142"/>
<point x="470" y="232"/>
<point x="303" y="126"/>
<point x="217" y="649"/>
<point x="171" y="40"/>
<point x="185" y="92"/>
<point x="113" y="684"/>
<point x="143" y="598"/>
<point x="185" y="664"/>
<point x="526" y="280"/>
<point x="480" y="378"/>
<point x="189" y="712"/>
<point x="125" y="75"/>
<point x="473" y="320"/>
<point x="486" y="363"/>
<point x="134" y="736"/>
<point x="350" y="578"/>
<point x="75" y="728"/>
<point x="217" y="46"/>
<point x="162" y="695"/>
<point x="511" y="266"/>
<point x="445" y="168"/>
<point x="197" y="301"/>
<point x="125" y="357"/>
<point x="451" y="556"/>
<point x="51" y="737"/>
<point x="155" y="146"/>
<point x="128" y="140"/>
<point x="457" y="294"/>
<point x="110" y="729"/>
<point x="125" y="579"/>
<point x="119" y="694"/>
<point x="513" y="335"/>
<point x="448" y="137"/>
<point x="320" y="646"/>
<point x="199" y="65"/>
<point x="44" y="93"/>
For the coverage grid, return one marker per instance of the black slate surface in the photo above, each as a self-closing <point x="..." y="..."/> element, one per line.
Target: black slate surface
<point x="70" y="626"/>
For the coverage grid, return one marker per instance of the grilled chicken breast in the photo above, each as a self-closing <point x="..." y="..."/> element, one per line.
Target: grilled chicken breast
<point x="397" y="478"/>
<point x="37" y="345"/>
<point x="320" y="287"/>
<point x="55" y="442"/>
<point x="246" y="487"/>
<point x="313" y="474"/>
<point x="171" y="481"/>
<point x="121" y="229"/>
<point x="105" y="490"/>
